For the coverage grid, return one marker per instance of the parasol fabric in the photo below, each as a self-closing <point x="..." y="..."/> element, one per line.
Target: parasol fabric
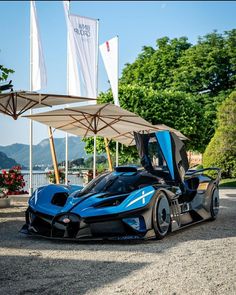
<point x="107" y="120"/>
<point x="16" y="103"/>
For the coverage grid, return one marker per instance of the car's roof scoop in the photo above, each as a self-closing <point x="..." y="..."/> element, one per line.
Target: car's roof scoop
<point x="126" y="169"/>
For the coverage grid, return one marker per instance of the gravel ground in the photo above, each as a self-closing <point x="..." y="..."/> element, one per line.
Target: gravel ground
<point x="198" y="260"/>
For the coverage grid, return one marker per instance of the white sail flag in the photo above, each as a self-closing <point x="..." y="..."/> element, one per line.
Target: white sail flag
<point x="38" y="68"/>
<point x="109" y="52"/>
<point x="73" y="81"/>
<point x="85" y="38"/>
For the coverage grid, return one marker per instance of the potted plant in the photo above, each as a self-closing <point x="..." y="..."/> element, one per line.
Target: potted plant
<point x="4" y="200"/>
<point x="13" y="181"/>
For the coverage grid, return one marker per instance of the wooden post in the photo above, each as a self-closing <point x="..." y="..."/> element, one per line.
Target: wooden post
<point x="54" y="157"/>
<point x="108" y="154"/>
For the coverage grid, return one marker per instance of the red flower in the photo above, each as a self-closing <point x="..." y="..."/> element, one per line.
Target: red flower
<point x="12" y="180"/>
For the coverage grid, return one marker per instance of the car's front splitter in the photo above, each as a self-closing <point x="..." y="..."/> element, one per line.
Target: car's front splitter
<point x="30" y="232"/>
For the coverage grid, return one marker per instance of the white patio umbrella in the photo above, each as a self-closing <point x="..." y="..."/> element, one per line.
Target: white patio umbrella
<point x="16" y="103"/>
<point x="106" y="120"/>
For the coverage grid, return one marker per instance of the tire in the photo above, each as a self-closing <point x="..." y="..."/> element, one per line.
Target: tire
<point x="161" y="215"/>
<point x="215" y="203"/>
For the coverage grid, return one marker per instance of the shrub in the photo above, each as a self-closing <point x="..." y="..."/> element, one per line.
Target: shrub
<point x="221" y="151"/>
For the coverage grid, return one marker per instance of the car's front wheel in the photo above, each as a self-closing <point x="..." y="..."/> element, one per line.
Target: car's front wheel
<point x="161" y="215"/>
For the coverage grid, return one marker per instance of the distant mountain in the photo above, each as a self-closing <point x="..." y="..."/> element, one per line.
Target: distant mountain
<point x="41" y="152"/>
<point x="5" y="162"/>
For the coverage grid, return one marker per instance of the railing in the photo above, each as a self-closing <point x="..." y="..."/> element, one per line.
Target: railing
<point x="40" y="178"/>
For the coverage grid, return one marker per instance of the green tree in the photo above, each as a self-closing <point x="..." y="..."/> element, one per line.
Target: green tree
<point x="221" y="151"/>
<point x="154" y="68"/>
<point x="209" y="66"/>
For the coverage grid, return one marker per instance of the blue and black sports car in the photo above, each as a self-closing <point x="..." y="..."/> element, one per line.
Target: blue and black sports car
<point x="129" y="203"/>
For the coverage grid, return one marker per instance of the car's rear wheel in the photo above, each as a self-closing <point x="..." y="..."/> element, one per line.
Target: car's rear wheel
<point x="215" y="204"/>
<point x="161" y="215"/>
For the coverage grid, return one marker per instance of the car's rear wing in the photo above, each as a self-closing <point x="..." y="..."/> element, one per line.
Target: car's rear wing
<point x="202" y="171"/>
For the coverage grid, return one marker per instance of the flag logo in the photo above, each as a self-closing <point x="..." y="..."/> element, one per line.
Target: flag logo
<point x="108" y="46"/>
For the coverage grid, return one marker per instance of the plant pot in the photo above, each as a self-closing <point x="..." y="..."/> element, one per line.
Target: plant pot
<point x="5" y="202"/>
<point x="19" y="198"/>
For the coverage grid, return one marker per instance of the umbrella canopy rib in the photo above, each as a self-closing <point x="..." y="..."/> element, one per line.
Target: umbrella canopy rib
<point x="110" y="125"/>
<point x="5" y="110"/>
<point x="8" y="102"/>
<point x="90" y="125"/>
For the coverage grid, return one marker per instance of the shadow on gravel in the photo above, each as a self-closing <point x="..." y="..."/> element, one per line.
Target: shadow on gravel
<point x="223" y="227"/>
<point x="11" y="214"/>
<point x="36" y="275"/>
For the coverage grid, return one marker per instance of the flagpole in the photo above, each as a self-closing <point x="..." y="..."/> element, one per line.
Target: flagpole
<point x="31" y="155"/>
<point x="67" y="70"/>
<point x="117" y="143"/>
<point x="94" y="138"/>
<point x="31" y="122"/>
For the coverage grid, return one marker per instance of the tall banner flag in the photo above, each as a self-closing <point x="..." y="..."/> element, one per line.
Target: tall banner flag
<point x="83" y="39"/>
<point x="38" y="68"/>
<point x="73" y="81"/>
<point x="85" y="31"/>
<point x="109" y="52"/>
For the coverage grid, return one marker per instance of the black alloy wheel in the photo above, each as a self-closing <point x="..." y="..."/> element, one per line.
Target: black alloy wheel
<point x="161" y="215"/>
<point x="215" y="203"/>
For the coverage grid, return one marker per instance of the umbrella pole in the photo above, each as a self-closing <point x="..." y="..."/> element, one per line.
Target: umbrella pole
<point x="66" y="161"/>
<point x="117" y="153"/>
<point x="53" y="153"/>
<point x="31" y="156"/>
<point x="108" y="154"/>
<point x="94" y="156"/>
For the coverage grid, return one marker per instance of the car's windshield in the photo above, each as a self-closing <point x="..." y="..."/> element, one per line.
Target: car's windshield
<point x="111" y="183"/>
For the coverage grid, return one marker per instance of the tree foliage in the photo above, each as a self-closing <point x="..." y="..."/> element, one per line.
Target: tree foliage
<point x="155" y="68"/>
<point x="176" y="64"/>
<point x="221" y="151"/>
<point x="209" y="66"/>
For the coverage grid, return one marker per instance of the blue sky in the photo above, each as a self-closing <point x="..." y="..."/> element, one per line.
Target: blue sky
<point x="137" y="23"/>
